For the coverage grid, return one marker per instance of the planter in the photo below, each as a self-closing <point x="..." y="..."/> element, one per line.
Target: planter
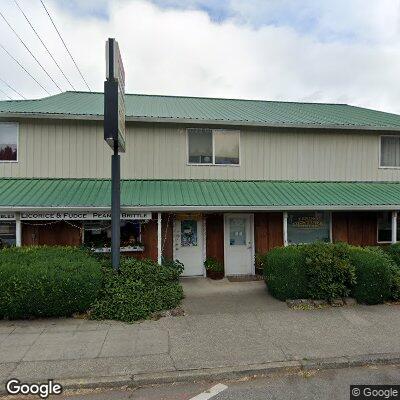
<point x="215" y="275"/>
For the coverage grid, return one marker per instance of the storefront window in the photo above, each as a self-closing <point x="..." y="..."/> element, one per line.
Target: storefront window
<point x="7" y="234"/>
<point x="308" y="227"/>
<point x="98" y="235"/>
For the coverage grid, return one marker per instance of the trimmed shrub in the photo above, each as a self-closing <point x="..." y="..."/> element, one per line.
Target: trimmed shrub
<point x="394" y="252"/>
<point x="373" y="275"/>
<point x="329" y="271"/>
<point x="285" y="273"/>
<point x="141" y="288"/>
<point x="47" y="281"/>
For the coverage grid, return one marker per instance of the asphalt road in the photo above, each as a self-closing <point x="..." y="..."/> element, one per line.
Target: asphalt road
<point x="318" y="385"/>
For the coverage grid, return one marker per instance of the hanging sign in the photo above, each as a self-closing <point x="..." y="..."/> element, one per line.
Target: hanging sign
<point x="80" y="216"/>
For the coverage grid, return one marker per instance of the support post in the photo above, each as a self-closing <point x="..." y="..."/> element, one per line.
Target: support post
<point x="18" y="230"/>
<point x="285" y="242"/>
<point x="394" y="226"/>
<point x="159" y="239"/>
<point x="115" y="208"/>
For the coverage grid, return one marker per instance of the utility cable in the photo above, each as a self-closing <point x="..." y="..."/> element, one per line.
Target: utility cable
<point x="29" y="51"/>
<point x="5" y="94"/>
<point x="66" y="48"/>
<point x="41" y="41"/>
<point x="14" y="90"/>
<point x="12" y="57"/>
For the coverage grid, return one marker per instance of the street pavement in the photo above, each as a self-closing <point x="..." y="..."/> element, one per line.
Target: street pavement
<point x="312" y="385"/>
<point x="226" y="325"/>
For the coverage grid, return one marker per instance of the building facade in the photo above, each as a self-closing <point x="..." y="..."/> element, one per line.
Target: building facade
<point x="202" y="178"/>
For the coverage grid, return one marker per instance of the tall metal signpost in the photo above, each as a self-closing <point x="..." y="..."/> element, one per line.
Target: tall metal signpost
<point x="114" y="135"/>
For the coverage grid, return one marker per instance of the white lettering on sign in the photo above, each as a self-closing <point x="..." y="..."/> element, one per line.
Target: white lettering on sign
<point x="7" y="216"/>
<point x="80" y="216"/>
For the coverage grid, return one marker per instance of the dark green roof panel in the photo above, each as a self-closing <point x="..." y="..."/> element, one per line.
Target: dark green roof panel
<point x="232" y="111"/>
<point x="197" y="193"/>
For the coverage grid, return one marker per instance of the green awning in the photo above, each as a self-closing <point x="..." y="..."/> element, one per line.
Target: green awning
<point x="174" y="195"/>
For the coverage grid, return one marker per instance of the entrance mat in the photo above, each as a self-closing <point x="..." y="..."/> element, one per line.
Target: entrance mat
<point x="244" y="278"/>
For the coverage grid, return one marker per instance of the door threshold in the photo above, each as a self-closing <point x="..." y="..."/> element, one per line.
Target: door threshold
<point x="244" y="278"/>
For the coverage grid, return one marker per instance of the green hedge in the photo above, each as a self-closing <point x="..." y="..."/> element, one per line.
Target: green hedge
<point x="373" y="275"/>
<point x="329" y="271"/>
<point x="394" y="252"/>
<point x="141" y="288"/>
<point x="285" y="273"/>
<point x="47" y="281"/>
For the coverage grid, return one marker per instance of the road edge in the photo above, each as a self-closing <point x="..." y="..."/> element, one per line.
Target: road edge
<point x="227" y="373"/>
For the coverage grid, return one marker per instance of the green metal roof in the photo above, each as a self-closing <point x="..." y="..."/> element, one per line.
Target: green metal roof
<point x="198" y="194"/>
<point x="89" y="105"/>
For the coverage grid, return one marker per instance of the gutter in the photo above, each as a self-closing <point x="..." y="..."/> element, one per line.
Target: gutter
<point x="191" y="121"/>
<point x="203" y="208"/>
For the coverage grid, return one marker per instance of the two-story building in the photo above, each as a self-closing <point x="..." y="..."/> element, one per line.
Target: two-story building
<point x="202" y="177"/>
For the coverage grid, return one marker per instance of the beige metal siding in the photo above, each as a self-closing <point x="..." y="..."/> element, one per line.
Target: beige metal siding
<point x="76" y="149"/>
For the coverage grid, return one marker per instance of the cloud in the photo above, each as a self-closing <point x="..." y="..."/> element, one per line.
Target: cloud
<point x="322" y="51"/>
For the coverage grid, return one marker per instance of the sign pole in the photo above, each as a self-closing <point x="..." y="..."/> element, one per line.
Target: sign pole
<point x="114" y="135"/>
<point x="115" y="208"/>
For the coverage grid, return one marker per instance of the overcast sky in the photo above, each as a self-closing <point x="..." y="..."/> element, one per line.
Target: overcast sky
<point x="345" y="51"/>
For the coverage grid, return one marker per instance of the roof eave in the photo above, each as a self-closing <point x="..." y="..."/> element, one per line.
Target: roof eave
<point x="207" y="208"/>
<point x="187" y="121"/>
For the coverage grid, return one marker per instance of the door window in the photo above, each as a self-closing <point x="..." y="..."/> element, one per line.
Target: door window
<point x="237" y="231"/>
<point x="188" y="233"/>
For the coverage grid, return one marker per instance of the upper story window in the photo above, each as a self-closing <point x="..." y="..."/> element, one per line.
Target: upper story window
<point x="213" y="146"/>
<point x="390" y="151"/>
<point x="8" y="141"/>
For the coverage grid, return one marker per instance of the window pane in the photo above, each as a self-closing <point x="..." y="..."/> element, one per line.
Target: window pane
<point x="237" y="231"/>
<point x="7" y="234"/>
<point x="308" y="227"/>
<point x="8" y="142"/>
<point x="384" y="227"/>
<point x="226" y="146"/>
<point x="188" y="233"/>
<point x="200" y="145"/>
<point x="390" y="151"/>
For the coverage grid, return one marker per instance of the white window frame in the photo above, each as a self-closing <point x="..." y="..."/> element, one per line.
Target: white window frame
<point x="17" y="126"/>
<point x="391" y="229"/>
<point x="380" y="156"/>
<point x="212" y="164"/>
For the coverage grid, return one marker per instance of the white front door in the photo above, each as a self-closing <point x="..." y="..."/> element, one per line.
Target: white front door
<point x="188" y="246"/>
<point x="239" y="244"/>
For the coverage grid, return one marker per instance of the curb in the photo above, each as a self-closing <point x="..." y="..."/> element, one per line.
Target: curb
<point x="228" y="373"/>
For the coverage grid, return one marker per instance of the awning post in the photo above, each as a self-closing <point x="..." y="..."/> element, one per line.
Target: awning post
<point x="394" y="226"/>
<point x="159" y="245"/>
<point x="18" y="230"/>
<point x="285" y="242"/>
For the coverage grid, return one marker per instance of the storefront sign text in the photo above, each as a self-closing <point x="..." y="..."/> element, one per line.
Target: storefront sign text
<point x="71" y="215"/>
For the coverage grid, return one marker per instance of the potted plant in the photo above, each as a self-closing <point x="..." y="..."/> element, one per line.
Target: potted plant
<point x="258" y="262"/>
<point x="214" y="269"/>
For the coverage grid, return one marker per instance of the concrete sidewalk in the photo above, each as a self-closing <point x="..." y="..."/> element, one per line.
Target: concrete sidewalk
<point x="226" y="325"/>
